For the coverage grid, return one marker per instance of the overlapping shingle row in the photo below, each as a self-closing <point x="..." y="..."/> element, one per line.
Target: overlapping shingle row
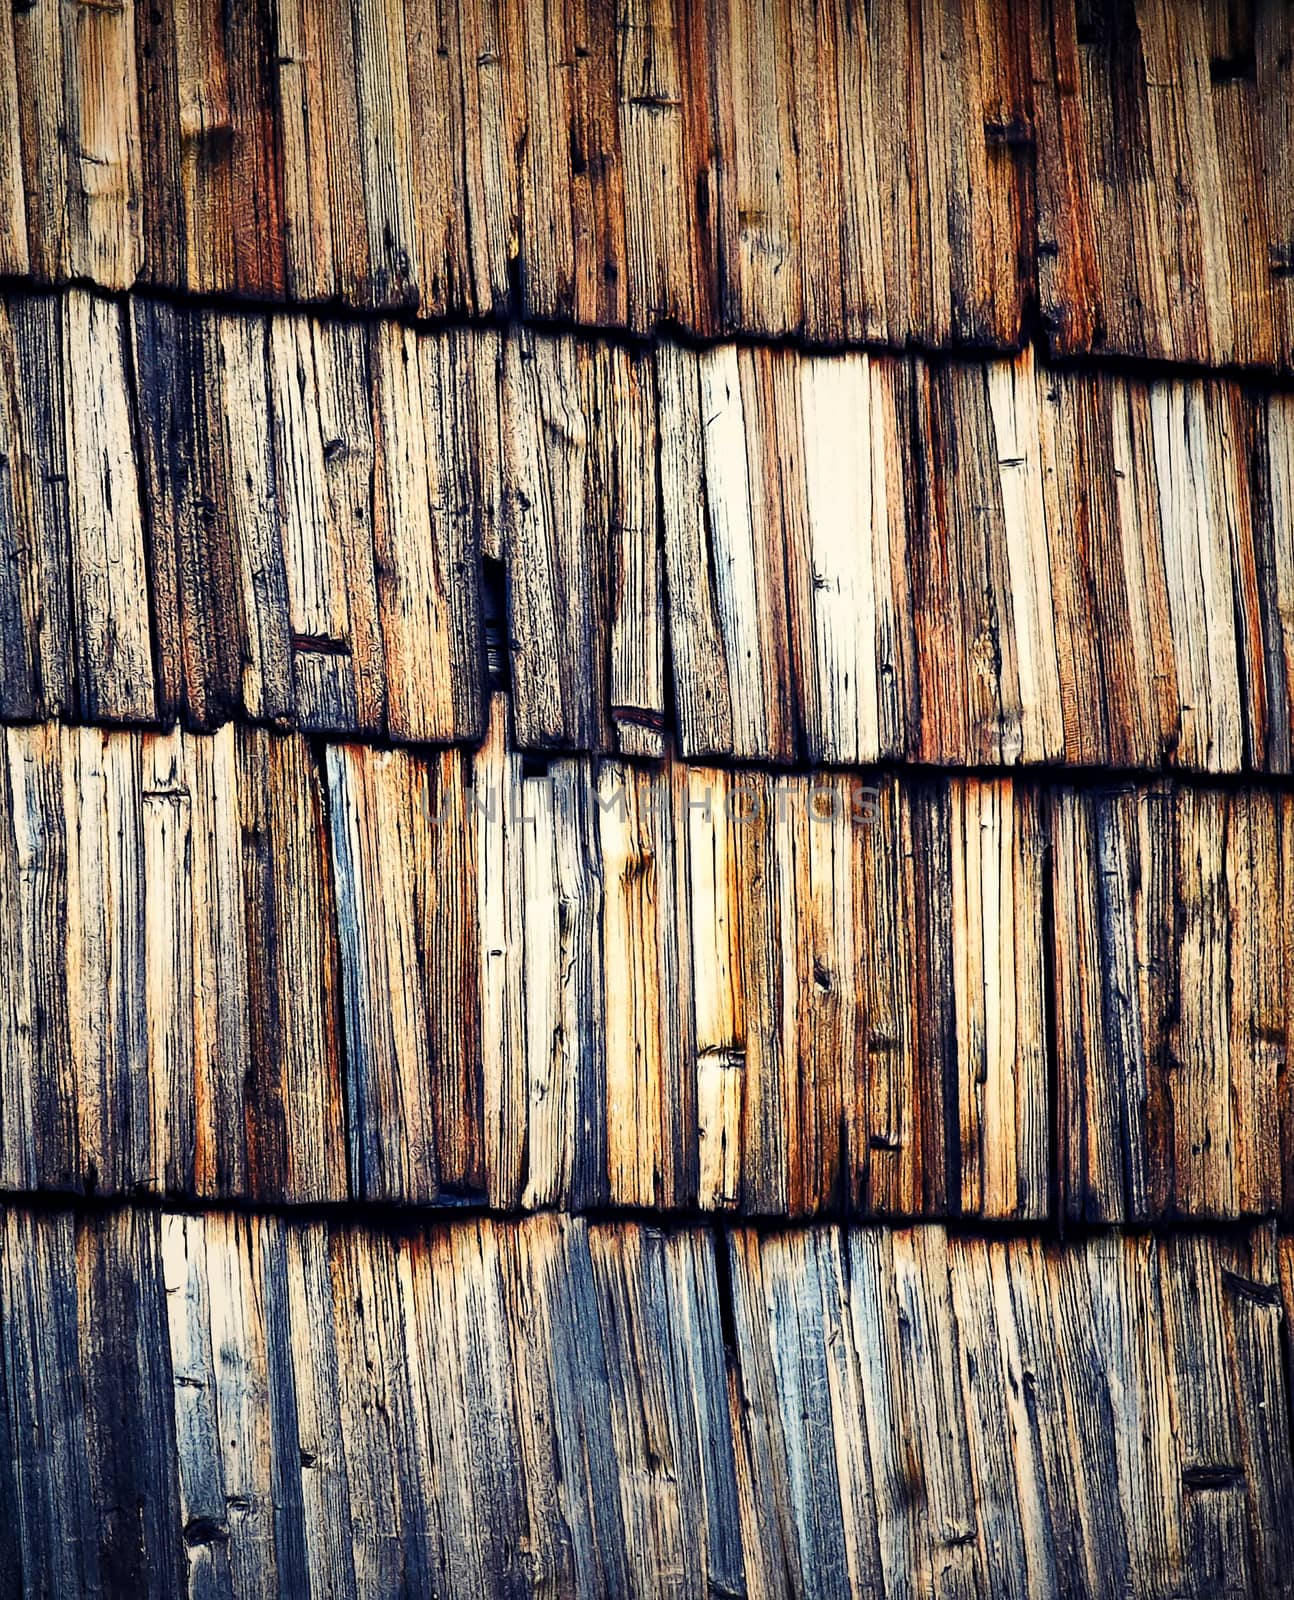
<point x="269" y="1405"/>
<point x="908" y="170"/>
<point x="249" y="968"/>
<point x="351" y="529"/>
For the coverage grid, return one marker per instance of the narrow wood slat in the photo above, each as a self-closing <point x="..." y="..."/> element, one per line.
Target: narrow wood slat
<point x="572" y="249"/>
<point x="758" y="182"/>
<point x="110" y="583"/>
<point x="851" y="632"/>
<point x="998" y="999"/>
<point x="425" y="539"/>
<point x="14" y="259"/>
<point x="373" y="1401"/>
<point x="651" y="1097"/>
<point x="79" y="116"/>
<point x="105" y="955"/>
<point x="1274" y="561"/>
<point x="295" y="1135"/>
<point x="305" y="1368"/>
<point x="22" y="556"/>
<point x="324" y="455"/>
<point x="202" y="1488"/>
<point x="895" y="1127"/>
<point x="1253" y="1317"/>
<point x="325" y="226"/>
<point x="623" y="509"/>
<point x="1214" y="1494"/>
<point x="548" y="66"/>
<point x="490" y="46"/>
<point x="565" y="1022"/>
<point x="565" y="1437"/>
<point x="123" y="1360"/>
<point x="54" y="1515"/>
<point x="441" y="226"/>
<point x="708" y="848"/>
<point x="230" y="151"/>
<point x="193" y="558"/>
<point x="1014" y="1533"/>
<point x="724" y="556"/>
<point x="247" y="441"/>
<point x="461" y="1287"/>
<point x="556" y="563"/>
<point x="39" y="452"/>
<point x="666" y="1389"/>
<point x="782" y="1372"/>
<point x="1090" y="1527"/>
<point x="402" y="855"/>
<point x="664" y="120"/>
<point x="383" y="96"/>
<point x="702" y="693"/>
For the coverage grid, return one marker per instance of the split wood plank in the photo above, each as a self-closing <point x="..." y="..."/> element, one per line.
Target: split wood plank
<point x="1172" y="1001"/>
<point x="425" y="541"/>
<point x="14" y="258"/>
<point x="403" y="859"/>
<point x="114" y="667"/>
<point x="542" y="998"/>
<point x="324" y="452"/>
<point x="212" y="149"/>
<point x="79" y="114"/>
<point x="1164" y="181"/>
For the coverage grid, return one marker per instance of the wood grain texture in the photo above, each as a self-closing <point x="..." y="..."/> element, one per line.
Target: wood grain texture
<point x="113" y="648"/>
<point x="93" y="1451"/>
<point x="424" y="539"/>
<point x="79" y="115"/>
<point x="901" y="174"/>
<point x="973" y="564"/>
<point x="741" y="167"/>
<point x="404" y="861"/>
<point x="14" y="259"/>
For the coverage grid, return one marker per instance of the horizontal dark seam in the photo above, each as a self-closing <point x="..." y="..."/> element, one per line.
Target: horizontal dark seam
<point x="1061" y="1233"/>
<point x="1033" y="335"/>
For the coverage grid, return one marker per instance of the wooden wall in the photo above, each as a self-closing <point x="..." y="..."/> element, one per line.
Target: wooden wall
<point x="646" y="826"/>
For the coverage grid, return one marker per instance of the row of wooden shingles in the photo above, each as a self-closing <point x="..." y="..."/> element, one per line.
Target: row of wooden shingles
<point x="492" y="1408"/>
<point x="239" y="972"/>
<point x="619" y="165"/>
<point x="838" y="171"/>
<point x="850" y="557"/>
